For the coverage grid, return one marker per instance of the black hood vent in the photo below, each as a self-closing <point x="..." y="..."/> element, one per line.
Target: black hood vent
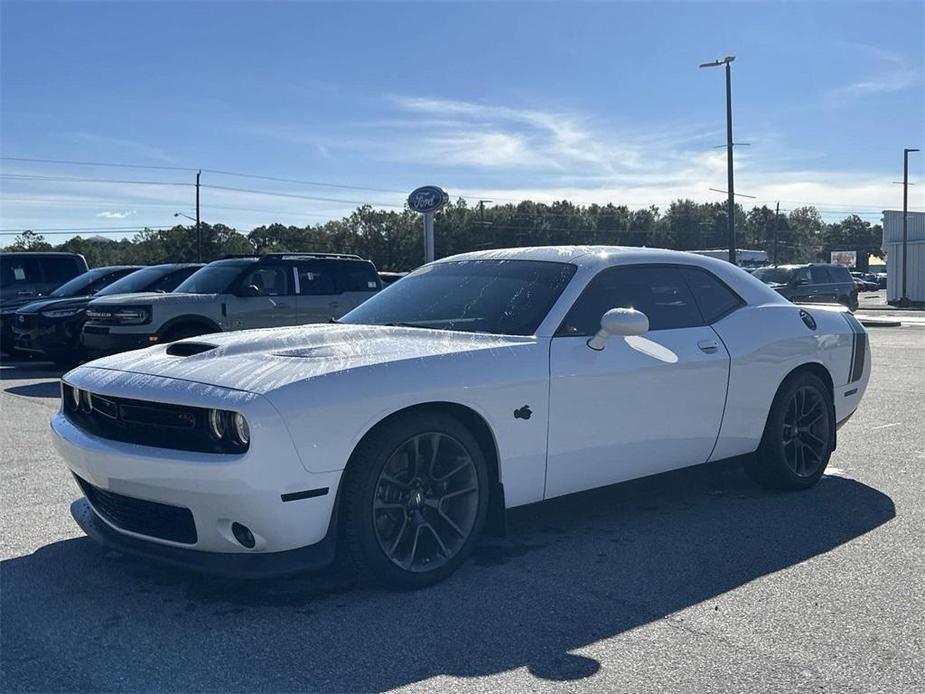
<point x="188" y="349"/>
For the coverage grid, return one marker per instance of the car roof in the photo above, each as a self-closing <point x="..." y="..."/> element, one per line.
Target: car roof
<point x="589" y="256"/>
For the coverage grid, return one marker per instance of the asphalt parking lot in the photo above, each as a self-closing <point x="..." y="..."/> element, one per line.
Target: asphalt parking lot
<point x="691" y="581"/>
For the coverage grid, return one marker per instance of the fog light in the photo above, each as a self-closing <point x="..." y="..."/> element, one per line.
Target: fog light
<point x="217" y="424"/>
<point x="242" y="433"/>
<point x="243" y="535"/>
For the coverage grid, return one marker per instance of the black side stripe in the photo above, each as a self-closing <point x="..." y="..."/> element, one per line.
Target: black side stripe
<point x="858" y="348"/>
<point x="307" y="494"/>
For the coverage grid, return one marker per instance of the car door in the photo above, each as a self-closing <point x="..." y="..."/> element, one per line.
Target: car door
<point x="825" y="288"/>
<point x="265" y="298"/>
<point x="319" y="300"/>
<point x="644" y="404"/>
<point x="356" y="282"/>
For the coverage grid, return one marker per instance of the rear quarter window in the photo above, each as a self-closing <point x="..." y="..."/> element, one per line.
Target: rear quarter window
<point x="358" y="278"/>
<point x="713" y="297"/>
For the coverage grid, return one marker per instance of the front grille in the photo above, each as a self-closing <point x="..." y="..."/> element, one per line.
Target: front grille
<point x="149" y="518"/>
<point x="161" y="425"/>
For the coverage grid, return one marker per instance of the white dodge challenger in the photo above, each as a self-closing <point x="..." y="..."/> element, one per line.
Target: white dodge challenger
<point x="475" y="384"/>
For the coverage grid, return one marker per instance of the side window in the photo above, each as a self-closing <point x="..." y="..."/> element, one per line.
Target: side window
<point x="315" y="279"/>
<point x="841" y="274"/>
<point x="357" y="277"/>
<point x="803" y="276"/>
<point x="714" y="299"/>
<point x="18" y="271"/>
<point x="59" y="270"/>
<point x="659" y="292"/>
<point x="172" y="280"/>
<point x="819" y="275"/>
<point x="270" y="280"/>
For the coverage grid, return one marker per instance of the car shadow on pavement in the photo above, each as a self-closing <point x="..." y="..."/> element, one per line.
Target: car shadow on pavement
<point x="14" y="370"/>
<point x="570" y="573"/>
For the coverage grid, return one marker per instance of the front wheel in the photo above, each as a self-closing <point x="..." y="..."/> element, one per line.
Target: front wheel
<point x="414" y="500"/>
<point x="798" y="437"/>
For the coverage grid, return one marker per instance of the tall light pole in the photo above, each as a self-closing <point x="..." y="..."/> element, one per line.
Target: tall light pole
<point x="730" y="186"/>
<point x="904" y="301"/>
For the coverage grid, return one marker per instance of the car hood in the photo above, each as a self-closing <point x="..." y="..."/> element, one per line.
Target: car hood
<point x="259" y="361"/>
<point x="55" y="304"/>
<point x="12" y="305"/>
<point x="150" y="298"/>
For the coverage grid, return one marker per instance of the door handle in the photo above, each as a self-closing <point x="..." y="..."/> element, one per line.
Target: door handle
<point x="708" y="346"/>
<point x="280" y="304"/>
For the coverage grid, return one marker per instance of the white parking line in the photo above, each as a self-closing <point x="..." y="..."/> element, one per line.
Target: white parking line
<point x="885" y="426"/>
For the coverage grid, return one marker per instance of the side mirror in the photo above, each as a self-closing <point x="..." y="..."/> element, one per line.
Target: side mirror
<point x="249" y="290"/>
<point x="619" y="321"/>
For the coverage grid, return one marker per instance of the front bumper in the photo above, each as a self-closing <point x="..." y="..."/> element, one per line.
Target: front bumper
<point x="232" y="565"/>
<point x="267" y="488"/>
<point x="47" y="337"/>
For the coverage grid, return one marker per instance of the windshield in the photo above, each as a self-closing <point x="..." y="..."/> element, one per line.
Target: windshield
<point x="80" y="285"/>
<point x="138" y="281"/>
<point x="774" y="275"/>
<point x="504" y="297"/>
<point x="215" y="278"/>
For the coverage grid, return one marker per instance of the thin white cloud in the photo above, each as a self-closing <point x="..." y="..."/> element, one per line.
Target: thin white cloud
<point x="892" y="73"/>
<point x="114" y="214"/>
<point x="129" y="148"/>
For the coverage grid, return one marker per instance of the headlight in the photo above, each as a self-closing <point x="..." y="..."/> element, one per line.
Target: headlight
<point x="62" y="312"/>
<point x="242" y="432"/>
<point x="86" y="405"/>
<point x="217" y="424"/>
<point x="75" y="397"/>
<point x="230" y="427"/>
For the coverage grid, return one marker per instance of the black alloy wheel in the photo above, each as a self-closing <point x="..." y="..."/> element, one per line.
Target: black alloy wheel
<point x="798" y="437"/>
<point x="414" y="500"/>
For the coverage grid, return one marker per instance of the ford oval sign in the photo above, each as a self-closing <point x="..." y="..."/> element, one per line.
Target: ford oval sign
<point x="428" y="199"/>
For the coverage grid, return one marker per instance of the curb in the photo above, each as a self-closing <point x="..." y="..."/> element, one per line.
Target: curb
<point x="870" y="323"/>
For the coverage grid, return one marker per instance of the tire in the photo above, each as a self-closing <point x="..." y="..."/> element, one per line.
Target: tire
<point x="798" y="437"/>
<point x="411" y="515"/>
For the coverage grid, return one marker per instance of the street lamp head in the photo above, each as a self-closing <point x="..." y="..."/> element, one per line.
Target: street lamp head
<point x="716" y="63"/>
<point x="909" y="149"/>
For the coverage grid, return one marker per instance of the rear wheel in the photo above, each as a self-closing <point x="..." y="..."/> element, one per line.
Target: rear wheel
<point x="798" y="437"/>
<point x="414" y="500"/>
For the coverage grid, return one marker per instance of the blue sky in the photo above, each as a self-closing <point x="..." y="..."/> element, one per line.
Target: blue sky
<point x="597" y="102"/>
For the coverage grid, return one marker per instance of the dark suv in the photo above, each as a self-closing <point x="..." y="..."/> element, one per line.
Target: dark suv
<point x="26" y="276"/>
<point x="817" y="283"/>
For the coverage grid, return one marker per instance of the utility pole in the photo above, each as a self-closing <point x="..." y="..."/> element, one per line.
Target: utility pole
<point x="904" y="301"/>
<point x="776" y="228"/>
<point x="727" y="61"/>
<point x="198" y="227"/>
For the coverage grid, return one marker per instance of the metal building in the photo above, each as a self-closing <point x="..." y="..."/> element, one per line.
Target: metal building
<point x="915" y="258"/>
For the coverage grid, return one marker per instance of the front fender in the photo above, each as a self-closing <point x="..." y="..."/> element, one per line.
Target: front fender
<point x="328" y="415"/>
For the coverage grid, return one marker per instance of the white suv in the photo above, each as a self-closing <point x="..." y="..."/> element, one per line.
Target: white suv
<point x="233" y="294"/>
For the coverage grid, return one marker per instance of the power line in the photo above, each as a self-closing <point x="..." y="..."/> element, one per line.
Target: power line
<point x="77" y="179"/>
<point x="97" y="163"/>
<point x="301" y="197"/>
<point x="306" y="183"/>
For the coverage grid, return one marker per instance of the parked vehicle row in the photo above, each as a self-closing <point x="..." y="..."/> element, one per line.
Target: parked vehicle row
<point x="27" y="276"/>
<point x="51" y="328"/>
<point x="113" y="309"/>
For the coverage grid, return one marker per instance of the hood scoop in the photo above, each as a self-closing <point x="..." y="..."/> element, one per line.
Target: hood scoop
<point x="188" y="349"/>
